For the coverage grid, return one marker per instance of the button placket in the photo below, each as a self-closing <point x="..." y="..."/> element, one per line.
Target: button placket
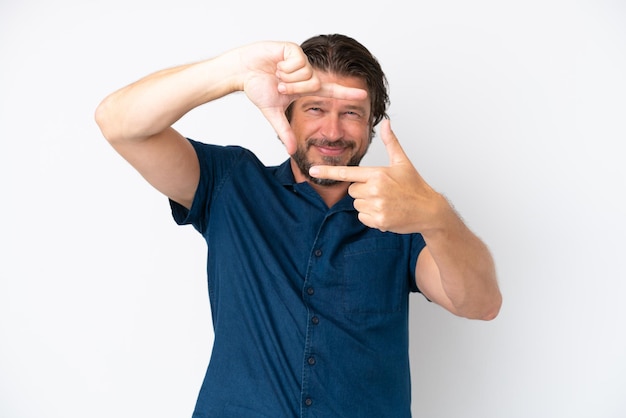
<point x="310" y="289"/>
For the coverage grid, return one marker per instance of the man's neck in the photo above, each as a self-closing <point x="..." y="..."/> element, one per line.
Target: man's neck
<point x="331" y="194"/>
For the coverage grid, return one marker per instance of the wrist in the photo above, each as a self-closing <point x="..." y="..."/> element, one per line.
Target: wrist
<point x="444" y="218"/>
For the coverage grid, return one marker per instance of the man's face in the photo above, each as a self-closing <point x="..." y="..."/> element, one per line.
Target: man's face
<point x="330" y="131"/>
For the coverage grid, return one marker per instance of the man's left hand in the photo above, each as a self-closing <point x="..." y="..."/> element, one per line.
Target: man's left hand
<point x="394" y="198"/>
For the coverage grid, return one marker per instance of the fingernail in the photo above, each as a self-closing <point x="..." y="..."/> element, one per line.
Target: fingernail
<point x="314" y="171"/>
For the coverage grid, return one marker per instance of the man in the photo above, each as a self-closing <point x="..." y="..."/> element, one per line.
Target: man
<point x="310" y="263"/>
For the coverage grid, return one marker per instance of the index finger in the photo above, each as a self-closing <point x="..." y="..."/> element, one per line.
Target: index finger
<point x="338" y="91"/>
<point x="341" y="173"/>
<point x="312" y="87"/>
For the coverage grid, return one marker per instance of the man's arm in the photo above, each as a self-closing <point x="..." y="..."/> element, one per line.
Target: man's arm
<point x="137" y="119"/>
<point x="456" y="269"/>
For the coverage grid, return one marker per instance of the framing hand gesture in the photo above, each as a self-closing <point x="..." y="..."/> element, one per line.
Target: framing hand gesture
<point x="394" y="198"/>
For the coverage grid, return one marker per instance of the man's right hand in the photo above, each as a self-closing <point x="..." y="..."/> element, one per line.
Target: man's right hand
<point x="277" y="73"/>
<point x="137" y="119"/>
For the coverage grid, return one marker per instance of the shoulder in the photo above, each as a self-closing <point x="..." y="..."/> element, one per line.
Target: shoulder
<point x="205" y="150"/>
<point x="222" y="158"/>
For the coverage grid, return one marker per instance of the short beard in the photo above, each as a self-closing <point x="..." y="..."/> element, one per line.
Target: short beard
<point x="304" y="164"/>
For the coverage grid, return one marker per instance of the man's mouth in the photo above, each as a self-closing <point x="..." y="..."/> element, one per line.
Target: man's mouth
<point x="332" y="149"/>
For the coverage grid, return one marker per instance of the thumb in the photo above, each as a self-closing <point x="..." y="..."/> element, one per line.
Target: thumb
<point x="394" y="150"/>
<point x="281" y="126"/>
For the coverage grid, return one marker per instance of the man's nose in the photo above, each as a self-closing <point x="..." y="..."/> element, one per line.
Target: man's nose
<point x="331" y="127"/>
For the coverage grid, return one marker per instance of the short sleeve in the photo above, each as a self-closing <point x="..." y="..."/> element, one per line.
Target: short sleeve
<point x="417" y="245"/>
<point x="216" y="165"/>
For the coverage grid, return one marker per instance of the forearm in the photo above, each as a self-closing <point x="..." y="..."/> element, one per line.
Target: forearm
<point x="466" y="267"/>
<point x="152" y="104"/>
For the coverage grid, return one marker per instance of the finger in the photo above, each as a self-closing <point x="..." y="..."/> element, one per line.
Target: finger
<point x="392" y="145"/>
<point x="295" y="73"/>
<point x="338" y="91"/>
<point x="297" y="85"/>
<point x="313" y="87"/>
<point x="369" y="221"/>
<point x="360" y="190"/>
<point x="341" y="173"/>
<point x="282" y="128"/>
<point x="299" y="75"/>
<point x="293" y="59"/>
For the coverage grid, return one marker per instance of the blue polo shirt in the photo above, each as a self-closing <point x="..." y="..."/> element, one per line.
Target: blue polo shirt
<point x="309" y="306"/>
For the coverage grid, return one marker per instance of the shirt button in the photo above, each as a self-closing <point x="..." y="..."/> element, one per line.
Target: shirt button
<point x="315" y="320"/>
<point x="310" y="290"/>
<point x="311" y="361"/>
<point x="308" y="401"/>
<point x="318" y="253"/>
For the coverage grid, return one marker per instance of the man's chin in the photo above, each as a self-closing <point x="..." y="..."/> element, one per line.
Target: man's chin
<point x="331" y="160"/>
<point x="323" y="182"/>
<point x="304" y="161"/>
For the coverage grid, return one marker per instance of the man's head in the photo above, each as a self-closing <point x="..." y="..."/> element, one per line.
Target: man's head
<point x="341" y="55"/>
<point x="331" y="131"/>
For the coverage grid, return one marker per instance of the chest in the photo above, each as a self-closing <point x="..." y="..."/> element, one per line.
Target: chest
<point x="284" y="240"/>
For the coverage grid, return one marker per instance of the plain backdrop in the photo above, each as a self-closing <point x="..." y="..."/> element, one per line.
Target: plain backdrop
<point x="515" y="110"/>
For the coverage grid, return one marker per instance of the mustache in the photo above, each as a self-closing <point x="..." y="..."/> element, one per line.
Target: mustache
<point x="327" y="143"/>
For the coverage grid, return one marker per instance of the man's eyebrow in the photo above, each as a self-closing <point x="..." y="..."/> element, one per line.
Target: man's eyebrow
<point x="313" y="102"/>
<point x="320" y="103"/>
<point x="360" y="109"/>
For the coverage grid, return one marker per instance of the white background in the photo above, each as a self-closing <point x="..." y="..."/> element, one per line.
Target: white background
<point x="515" y="110"/>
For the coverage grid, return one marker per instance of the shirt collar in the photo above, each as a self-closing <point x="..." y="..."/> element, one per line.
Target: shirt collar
<point x="285" y="176"/>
